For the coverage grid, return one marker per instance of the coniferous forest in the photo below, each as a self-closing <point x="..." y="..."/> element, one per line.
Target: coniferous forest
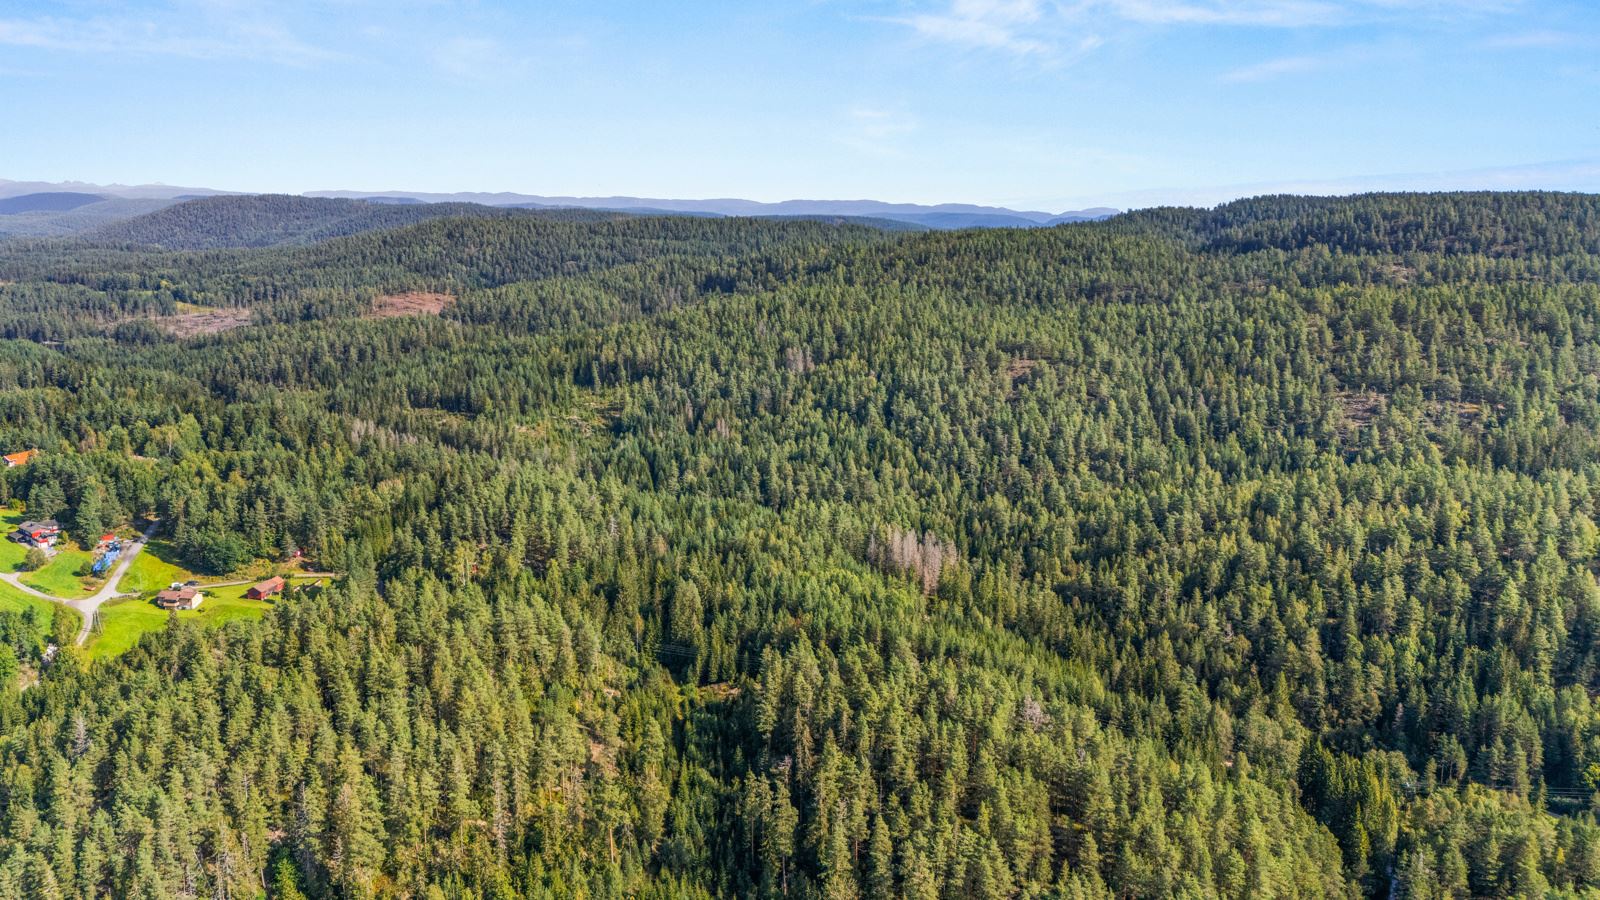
<point x="1245" y="552"/>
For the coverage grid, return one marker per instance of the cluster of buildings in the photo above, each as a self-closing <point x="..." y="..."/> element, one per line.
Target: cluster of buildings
<point x="38" y="534"/>
<point x="45" y="534"/>
<point x="189" y="596"/>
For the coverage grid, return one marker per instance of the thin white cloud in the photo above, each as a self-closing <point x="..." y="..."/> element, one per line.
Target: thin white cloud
<point x="205" y="30"/>
<point x="991" y="24"/>
<point x="474" y="59"/>
<point x="1048" y="28"/>
<point x="876" y="131"/>
<point x="1288" y="66"/>
<point x="1275" y="68"/>
<point x="1538" y="40"/>
<point x="1263" y="13"/>
<point x="1290" y="13"/>
<point x="1561" y="175"/>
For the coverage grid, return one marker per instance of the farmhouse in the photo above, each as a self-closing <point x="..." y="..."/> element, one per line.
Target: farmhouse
<point x="20" y="458"/>
<point x="38" y="534"/>
<point x="265" y="589"/>
<point x="179" y="597"/>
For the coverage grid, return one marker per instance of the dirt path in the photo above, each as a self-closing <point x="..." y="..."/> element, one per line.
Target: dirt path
<point x="292" y="575"/>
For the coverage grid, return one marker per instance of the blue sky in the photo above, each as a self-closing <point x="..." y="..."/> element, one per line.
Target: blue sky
<point x="1024" y="103"/>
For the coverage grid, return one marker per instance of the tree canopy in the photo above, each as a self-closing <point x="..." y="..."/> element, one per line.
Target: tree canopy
<point x="1239" y="552"/>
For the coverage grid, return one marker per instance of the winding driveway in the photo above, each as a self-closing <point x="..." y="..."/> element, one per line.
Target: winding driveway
<point x="88" y="606"/>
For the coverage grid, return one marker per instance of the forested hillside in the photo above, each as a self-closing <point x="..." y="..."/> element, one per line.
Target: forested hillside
<point x="1246" y="552"/>
<point x="271" y="219"/>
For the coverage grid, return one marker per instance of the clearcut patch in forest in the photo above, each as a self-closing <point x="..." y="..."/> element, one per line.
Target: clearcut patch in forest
<point x="1019" y="371"/>
<point x="410" y="303"/>
<point x="210" y="321"/>
<point x="1359" y="407"/>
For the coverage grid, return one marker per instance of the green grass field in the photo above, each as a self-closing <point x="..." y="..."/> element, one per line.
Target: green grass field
<point x="154" y="569"/>
<point x="11" y="552"/>
<point x="13" y="600"/>
<point x="123" y="621"/>
<point x="60" y="577"/>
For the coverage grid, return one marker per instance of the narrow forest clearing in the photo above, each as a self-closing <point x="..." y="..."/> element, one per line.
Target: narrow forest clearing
<point x="203" y="321"/>
<point x="410" y="303"/>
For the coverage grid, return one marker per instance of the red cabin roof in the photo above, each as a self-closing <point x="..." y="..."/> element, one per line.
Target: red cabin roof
<point x="271" y="586"/>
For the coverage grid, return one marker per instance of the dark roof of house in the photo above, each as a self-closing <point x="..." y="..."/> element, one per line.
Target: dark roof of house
<point x="183" y="593"/>
<point x="46" y="525"/>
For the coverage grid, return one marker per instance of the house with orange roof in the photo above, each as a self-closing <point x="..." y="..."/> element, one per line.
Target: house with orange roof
<point x="20" y="458"/>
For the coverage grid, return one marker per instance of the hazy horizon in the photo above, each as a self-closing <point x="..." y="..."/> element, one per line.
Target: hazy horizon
<point x="1576" y="176"/>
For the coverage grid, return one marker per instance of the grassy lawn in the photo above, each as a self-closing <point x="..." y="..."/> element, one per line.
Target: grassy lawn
<point x="13" y="600"/>
<point x="60" y="577"/>
<point x="159" y="565"/>
<point x="154" y="569"/>
<point x="11" y="552"/>
<point x="123" y="621"/>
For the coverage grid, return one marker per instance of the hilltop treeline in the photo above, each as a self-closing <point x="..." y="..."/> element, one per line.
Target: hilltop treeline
<point x="1246" y="552"/>
<point x="61" y="289"/>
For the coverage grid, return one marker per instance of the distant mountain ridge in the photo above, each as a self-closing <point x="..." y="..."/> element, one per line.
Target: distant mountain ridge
<point x="937" y="216"/>
<point x="941" y="215"/>
<point x="120" y="191"/>
<point x="47" y="201"/>
<point x="266" y="220"/>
